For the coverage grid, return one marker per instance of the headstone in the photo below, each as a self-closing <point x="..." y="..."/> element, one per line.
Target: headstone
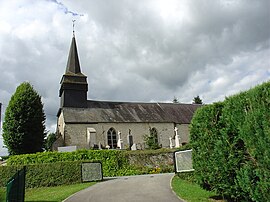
<point x="177" y="139"/>
<point x="171" y="143"/>
<point x="134" y="147"/>
<point x="99" y="146"/>
<point x="67" y="149"/>
<point x="120" y="141"/>
<point x="129" y="139"/>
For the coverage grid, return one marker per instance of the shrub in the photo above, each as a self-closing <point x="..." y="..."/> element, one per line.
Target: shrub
<point x="47" y="174"/>
<point x="230" y="142"/>
<point x="114" y="162"/>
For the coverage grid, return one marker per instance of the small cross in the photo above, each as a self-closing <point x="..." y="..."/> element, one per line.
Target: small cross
<point x="73" y="24"/>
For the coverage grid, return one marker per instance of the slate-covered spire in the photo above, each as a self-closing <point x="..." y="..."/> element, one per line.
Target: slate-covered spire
<point x="73" y="64"/>
<point x="74" y="87"/>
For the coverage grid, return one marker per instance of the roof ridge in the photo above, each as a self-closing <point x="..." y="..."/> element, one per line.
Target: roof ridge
<point x="140" y="102"/>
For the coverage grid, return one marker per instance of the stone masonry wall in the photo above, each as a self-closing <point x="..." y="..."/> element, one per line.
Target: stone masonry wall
<point x="76" y="134"/>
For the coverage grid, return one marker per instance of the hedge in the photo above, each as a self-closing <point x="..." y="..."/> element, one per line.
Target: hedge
<point x="45" y="175"/>
<point x="114" y="162"/>
<point x="230" y="142"/>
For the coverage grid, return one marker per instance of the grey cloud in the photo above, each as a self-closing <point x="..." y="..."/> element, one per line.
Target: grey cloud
<point x="130" y="53"/>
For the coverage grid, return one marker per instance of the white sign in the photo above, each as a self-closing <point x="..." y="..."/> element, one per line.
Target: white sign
<point x="183" y="161"/>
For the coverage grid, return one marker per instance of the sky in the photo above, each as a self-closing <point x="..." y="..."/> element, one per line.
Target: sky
<point x="143" y="51"/>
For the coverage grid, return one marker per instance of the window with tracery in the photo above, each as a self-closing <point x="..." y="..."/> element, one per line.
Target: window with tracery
<point x="111" y="137"/>
<point x="154" y="135"/>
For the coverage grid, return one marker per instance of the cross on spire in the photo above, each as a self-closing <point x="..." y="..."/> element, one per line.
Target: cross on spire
<point x="73" y="24"/>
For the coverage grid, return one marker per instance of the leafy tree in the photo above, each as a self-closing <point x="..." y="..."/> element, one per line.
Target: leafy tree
<point x="197" y="100"/>
<point x="51" y="138"/>
<point x="152" y="139"/>
<point x="175" y="100"/>
<point x="23" y="127"/>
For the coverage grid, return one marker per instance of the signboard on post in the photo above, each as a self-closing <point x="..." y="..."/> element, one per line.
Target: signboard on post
<point x="16" y="186"/>
<point x="183" y="161"/>
<point x="92" y="172"/>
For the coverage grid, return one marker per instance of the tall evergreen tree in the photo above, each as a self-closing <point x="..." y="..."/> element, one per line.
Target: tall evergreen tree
<point x="24" y="124"/>
<point x="197" y="100"/>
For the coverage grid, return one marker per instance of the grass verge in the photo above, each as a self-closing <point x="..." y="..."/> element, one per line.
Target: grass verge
<point x="56" y="194"/>
<point x="191" y="192"/>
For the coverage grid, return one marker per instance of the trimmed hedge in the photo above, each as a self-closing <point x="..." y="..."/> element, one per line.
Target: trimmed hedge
<point x="45" y="175"/>
<point x="230" y="142"/>
<point x="114" y="162"/>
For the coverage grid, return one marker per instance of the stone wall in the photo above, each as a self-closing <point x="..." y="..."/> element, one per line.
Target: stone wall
<point x="76" y="134"/>
<point x="151" y="159"/>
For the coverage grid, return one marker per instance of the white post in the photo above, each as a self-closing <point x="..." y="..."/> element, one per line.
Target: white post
<point x="177" y="139"/>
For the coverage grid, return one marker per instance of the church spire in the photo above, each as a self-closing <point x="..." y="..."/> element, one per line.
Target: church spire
<point x="74" y="87"/>
<point x="73" y="64"/>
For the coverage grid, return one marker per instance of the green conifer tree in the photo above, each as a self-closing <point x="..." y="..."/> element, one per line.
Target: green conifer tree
<point x="197" y="100"/>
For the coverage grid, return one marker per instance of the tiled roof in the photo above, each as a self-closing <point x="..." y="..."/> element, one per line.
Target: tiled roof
<point x="130" y="112"/>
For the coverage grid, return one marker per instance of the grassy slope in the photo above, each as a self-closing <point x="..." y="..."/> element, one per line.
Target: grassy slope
<point x="58" y="193"/>
<point x="190" y="192"/>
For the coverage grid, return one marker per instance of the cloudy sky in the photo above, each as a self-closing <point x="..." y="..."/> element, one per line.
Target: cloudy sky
<point x="144" y="50"/>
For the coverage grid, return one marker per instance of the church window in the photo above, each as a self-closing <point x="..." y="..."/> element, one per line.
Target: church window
<point x="154" y="135"/>
<point x="111" y="136"/>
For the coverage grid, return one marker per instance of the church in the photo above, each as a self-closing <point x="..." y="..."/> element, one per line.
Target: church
<point x="106" y="124"/>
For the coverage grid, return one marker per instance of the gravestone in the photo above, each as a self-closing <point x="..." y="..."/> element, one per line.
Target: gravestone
<point x="99" y="146"/>
<point x="177" y="138"/>
<point x="134" y="147"/>
<point x="91" y="172"/>
<point x="171" y="143"/>
<point x="130" y="140"/>
<point x="67" y="149"/>
<point x="120" y="144"/>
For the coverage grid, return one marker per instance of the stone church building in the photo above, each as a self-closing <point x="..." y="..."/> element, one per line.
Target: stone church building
<point x="91" y="123"/>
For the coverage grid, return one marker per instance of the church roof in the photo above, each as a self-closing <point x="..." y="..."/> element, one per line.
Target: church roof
<point x="130" y="112"/>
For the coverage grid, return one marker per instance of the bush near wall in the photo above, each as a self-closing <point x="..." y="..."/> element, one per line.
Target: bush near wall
<point x="230" y="142"/>
<point x="45" y="175"/>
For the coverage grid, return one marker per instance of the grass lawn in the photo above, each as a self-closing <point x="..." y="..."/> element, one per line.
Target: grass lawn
<point x="58" y="193"/>
<point x="191" y="192"/>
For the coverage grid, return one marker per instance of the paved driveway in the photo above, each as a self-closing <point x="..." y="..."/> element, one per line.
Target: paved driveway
<point x="147" y="188"/>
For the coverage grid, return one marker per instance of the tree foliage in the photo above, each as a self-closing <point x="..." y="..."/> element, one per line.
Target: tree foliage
<point x="23" y="127"/>
<point x="175" y="100"/>
<point x="51" y="138"/>
<point x="197" y="100"/>
<point x="151" y="140"/>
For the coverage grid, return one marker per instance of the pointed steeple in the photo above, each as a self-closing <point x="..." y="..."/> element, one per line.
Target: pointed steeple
<point x="73" y="64"/>
<point x="74" y="87"/>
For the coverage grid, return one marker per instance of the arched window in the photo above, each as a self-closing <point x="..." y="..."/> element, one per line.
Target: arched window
<point x="111" y="136"/>
<point x="154" y="135"/>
